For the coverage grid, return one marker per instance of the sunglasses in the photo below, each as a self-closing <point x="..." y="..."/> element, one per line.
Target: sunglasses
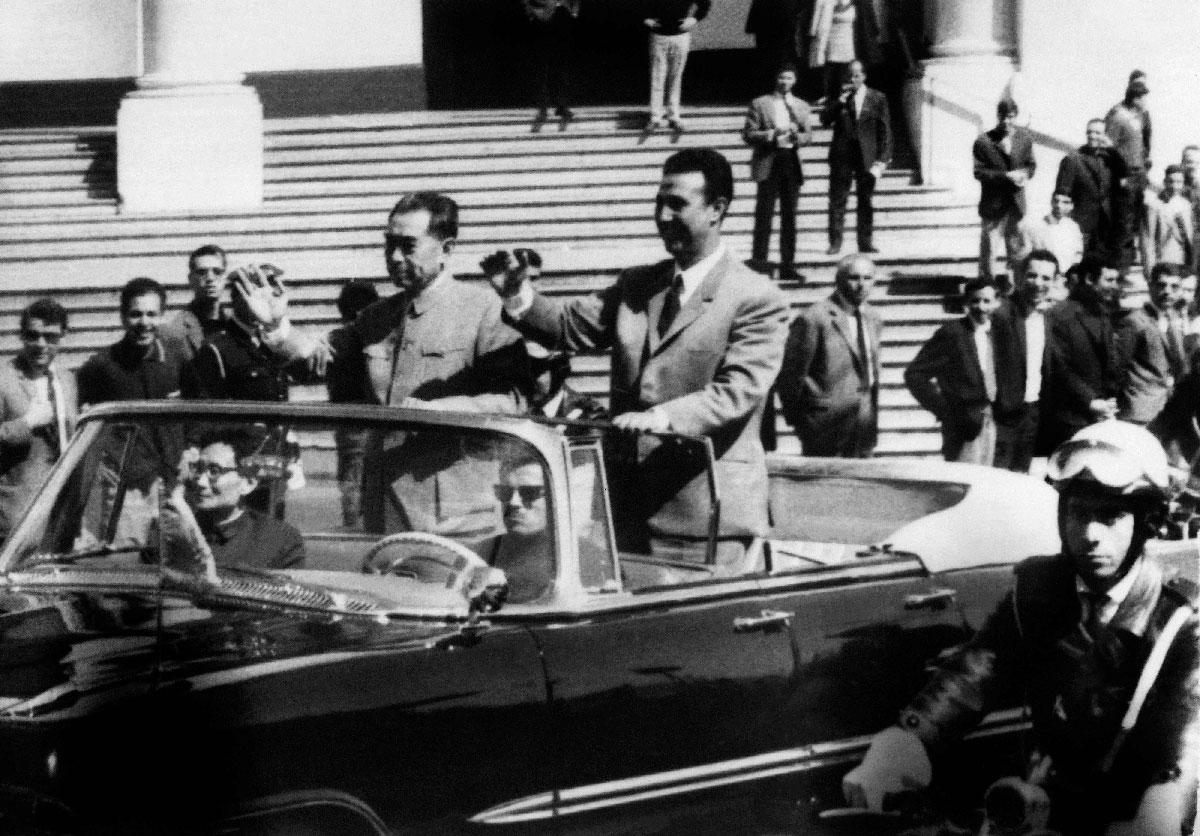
<point x="529" y="493"/>
<point x="30" y="335"/>
<point x="212" y="470"/>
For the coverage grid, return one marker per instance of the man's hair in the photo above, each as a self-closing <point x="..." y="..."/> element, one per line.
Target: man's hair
<point x="1038" y="255"/>
<point x="1173" y="168"/>
<point x="243" y="441"/>
<point x="520" y="458"/>
<point x="1134" y="75"/>
<point x="353" y="297"/>
<point x="207" y="249"/>
<point x="443" y="212"/>
<point x="1089" y="268"/>
<point x="1167" y="268"/>
<point x="47" y="310"/>
<point x="855" y="63"/>
<point x="1187" y="148"/>
<point x="1096" y="119"/>
<point x="141" y="286"/>
<point x="1136" y="88"/>
<point x="1006" y="107"/>
<point x="785" y="67"/>
<point x="718" y="174"/>
<point x="845" y="262"/>
<point x="531" y="256"/>
<point x="978" y="284"/>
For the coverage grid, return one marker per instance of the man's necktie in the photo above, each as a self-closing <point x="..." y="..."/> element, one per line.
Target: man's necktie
<point x="1094" y="603"/>
<point x="60" y="419"/>
<point x="670" y="308"/>
<point x="864" y="348"/>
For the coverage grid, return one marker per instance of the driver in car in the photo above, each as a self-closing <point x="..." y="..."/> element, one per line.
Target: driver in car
<point x="1105" y="648"/>
<point x="215" y="480"/>
<point x="525" y="550"/>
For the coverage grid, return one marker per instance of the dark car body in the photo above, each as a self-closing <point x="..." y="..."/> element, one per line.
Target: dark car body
<point x="627" y="693"/>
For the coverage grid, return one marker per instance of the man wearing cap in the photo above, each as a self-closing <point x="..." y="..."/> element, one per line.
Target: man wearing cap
<point x="1076" y="633"/>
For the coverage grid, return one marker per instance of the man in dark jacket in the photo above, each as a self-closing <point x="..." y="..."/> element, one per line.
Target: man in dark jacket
<point x="1083" y="372"/>
<point x="968" y="374"/>
<point x="860" y="150"/>
<point x="1004" y="164"/>
<point x="1092" y="177"/>
<point x="1074" y="635"/>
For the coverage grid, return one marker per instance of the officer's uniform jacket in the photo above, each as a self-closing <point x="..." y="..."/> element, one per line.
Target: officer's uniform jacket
<point x="1077" y="687"/>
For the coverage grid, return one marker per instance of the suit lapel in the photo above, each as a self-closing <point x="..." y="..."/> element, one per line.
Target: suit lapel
<point x="970" y="352"/>
<point x="839" y="319"/>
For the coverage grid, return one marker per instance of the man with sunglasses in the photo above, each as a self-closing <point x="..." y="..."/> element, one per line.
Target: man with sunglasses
<point x="204" y="315"/>
<point x="37" y="409"/>
<point x="525" y="551"/>
<point x="1080" y="634"/>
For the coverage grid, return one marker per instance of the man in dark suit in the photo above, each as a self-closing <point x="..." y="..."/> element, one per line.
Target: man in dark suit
<point x="968" y="374"/>
<point x="1092" y="177"/>
<point x="776" y="127"/>
<point x="860" y="150"/>
<point x="829" y="384"/>
<point x="1082" y="363"/>
<point x="1003" y="165"/>
<point x="37" y="409"/>
<point x="696" y="342"/>
<point x="1025" y="316"/>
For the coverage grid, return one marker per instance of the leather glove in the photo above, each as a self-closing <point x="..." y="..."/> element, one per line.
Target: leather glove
<point x="896" y="761"/>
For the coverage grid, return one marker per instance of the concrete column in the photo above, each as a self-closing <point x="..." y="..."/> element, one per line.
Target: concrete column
<point x="971" y="44"/>
<point x="190" y="137"/>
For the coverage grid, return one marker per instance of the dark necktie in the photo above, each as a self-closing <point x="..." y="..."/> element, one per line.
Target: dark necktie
<point x="670" y="308"/>
<point x="864" y="350"/>
<point x="1094" y="603"/>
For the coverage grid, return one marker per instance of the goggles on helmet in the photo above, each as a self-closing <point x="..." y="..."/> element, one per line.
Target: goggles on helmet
<point x="1104" y="465"/>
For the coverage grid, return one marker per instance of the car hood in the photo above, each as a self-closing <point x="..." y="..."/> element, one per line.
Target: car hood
<point x="69" y="652"/>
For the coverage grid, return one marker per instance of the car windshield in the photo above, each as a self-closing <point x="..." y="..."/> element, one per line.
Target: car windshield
<point x="404" y="514"/>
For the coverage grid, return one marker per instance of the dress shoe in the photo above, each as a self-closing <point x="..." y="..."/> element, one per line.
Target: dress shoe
<point x="789" y="274"/>
<point x="834" y="249"/>
<point x="676" y="124"/>
<point x="565" y="113"/>
<point x="868" y="249"/>
<point x="541" y="115"/>
<point x="653" y="124"/>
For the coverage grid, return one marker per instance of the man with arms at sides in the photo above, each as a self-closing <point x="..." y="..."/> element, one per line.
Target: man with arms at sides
<point x="1004" y="164"/>
<point x="1151" y="345"/>
<point x="829" y="384"/>
<point x="776" y="127"/>
<point x="1126" y="128"/>
<point x="215" y="478"/>
<point x="1083" y="373"/>
<point x="696" y="342"/>
<point x="968" y="375"/>
<point x="139" y="366"/>
<point x="1168" y="234"/>
<point x="670" y="23"/>
<point x="204" y="315"/>
<point x="1024" y="315"/>
<point x="37" y="409"/>
<point x="1092" y="176"/>
<point x="860" y="151"/>
<point x="1074" y="634"/>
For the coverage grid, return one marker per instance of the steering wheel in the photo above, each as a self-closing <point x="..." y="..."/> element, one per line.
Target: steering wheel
<point x="429" y="558"/>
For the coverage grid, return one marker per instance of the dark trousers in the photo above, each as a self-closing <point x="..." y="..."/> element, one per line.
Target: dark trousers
<point x="836" y="74"/>
<point x="840" y="177"/>
<point x="851" y="433"/>
<point x="1131" y="217"/>
<point x="1016" y="440"/>
<point x="782" y="185"/>
<point x="553" y="47"/>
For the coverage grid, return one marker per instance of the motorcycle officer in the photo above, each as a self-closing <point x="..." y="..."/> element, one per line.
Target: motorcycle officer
<point x="1077" y="631"/>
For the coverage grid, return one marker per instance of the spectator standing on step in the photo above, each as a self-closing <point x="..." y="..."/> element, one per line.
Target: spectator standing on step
<point x="1169" y="235"/>
<point x="554" y="23"/>
<point x="1092" y="176"/>
<point x="37" y="409"/>
<point x="968" y="374"/>
<point x="1150" y="343"/>
<point x="1126" y="127"/>
<point x="1004" y="165"/>
<point x="829" y="383"/>
<point x="1057" y="232"/>
<point x="859" y="152"/>
<point x="841" y="32"/>
<point x="776" y="128"/>
<point x="1024" y="315"/>
<point x="205" y="314"/>
<point x="1083" y="374"/>
<point x="670" y="23"/>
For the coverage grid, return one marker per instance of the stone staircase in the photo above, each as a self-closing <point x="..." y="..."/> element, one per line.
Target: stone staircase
<point x="581" y="196"/>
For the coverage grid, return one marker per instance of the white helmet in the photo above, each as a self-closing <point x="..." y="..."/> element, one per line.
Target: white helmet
<point x="1115" y="457"/>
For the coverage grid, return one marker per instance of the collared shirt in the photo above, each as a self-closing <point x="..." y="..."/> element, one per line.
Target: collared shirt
<point x="860" y="96"/>
<point x="695" y="275"/>
<point x="1112" y="599"/>
<point x="1035" y="351"/>
<point x="982" y="334"/>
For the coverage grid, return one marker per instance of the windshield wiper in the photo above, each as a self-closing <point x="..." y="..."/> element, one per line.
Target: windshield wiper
<point x="36" y="561"/>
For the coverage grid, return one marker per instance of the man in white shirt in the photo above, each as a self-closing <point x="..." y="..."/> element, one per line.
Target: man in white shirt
<point x="1058" y="233"/>
<point x="37" y="409"/>
<point x="696" y="343"/>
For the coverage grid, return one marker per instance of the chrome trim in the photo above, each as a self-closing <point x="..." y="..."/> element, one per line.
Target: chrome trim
<point x="658" y="785"/>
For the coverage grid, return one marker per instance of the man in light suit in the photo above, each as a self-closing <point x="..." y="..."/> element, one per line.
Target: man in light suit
<point x="37" y="409"/>
<point x="860" y="150"/>
<point x="776" y="127"/>
<point x="829" y="385"/>
<point x="205" y="315"/>
<point x="1003" y="165"/>
<point x="696" y="342"/>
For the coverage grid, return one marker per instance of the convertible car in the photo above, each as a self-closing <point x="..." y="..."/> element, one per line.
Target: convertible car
<point x="248" y="618"/>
